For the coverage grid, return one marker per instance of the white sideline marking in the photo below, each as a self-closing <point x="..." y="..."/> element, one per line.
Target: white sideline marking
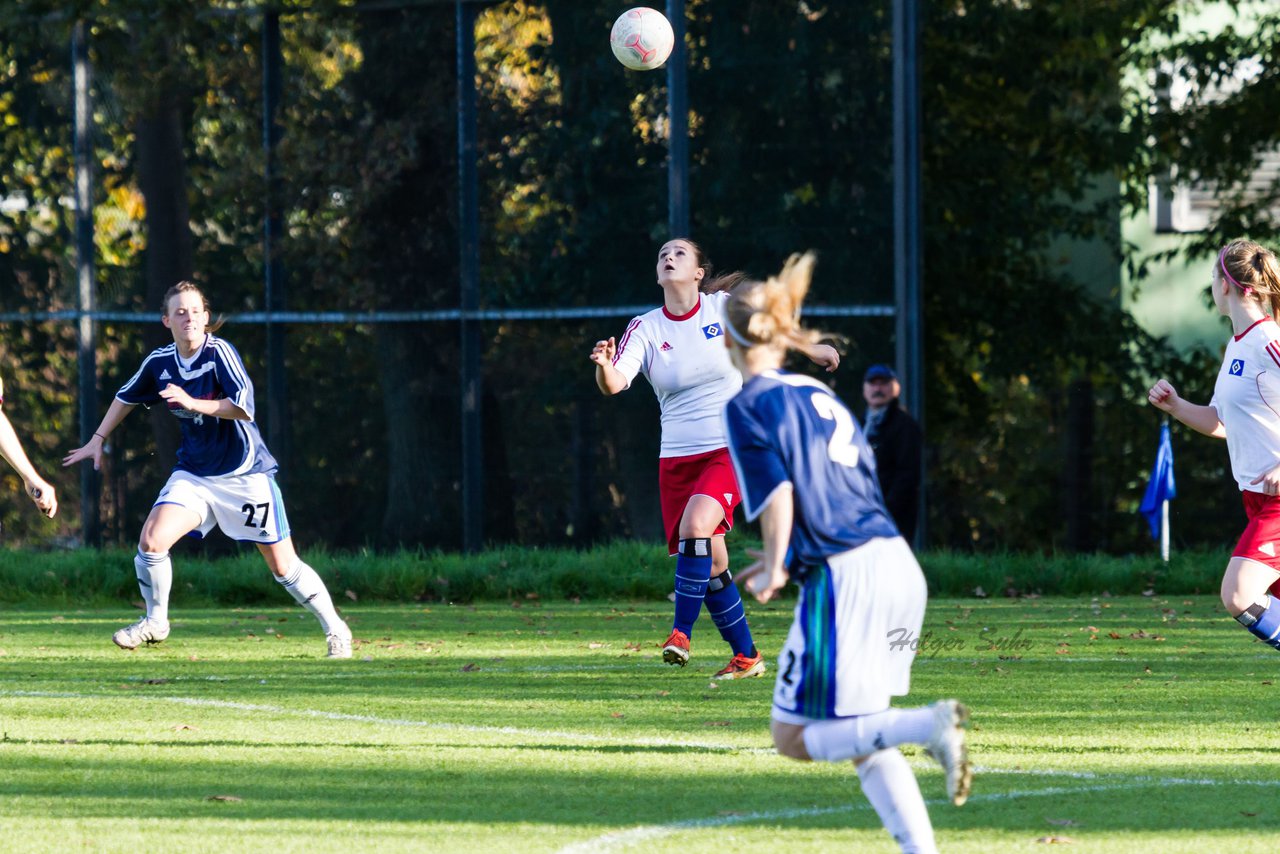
<point x="647" y="833"/>
<point x="399" y="722"/>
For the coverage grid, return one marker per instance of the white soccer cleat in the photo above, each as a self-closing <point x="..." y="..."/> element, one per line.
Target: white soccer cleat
<point x="947" y="747"/>
<point x="339" y="645"/>
<point x="145" y="630"/>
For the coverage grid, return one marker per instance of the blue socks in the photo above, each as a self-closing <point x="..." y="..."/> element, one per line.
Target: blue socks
<point x="724" y="604"/>
<point x="693" y="572"/>
<point x="1263" y="621"/>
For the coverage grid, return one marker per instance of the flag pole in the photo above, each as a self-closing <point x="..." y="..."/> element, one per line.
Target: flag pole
<point x="1164" y="518"/>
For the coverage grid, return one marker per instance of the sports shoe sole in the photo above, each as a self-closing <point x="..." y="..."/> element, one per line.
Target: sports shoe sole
<point x="964" y="772"/>
<point x="675" y="655"/>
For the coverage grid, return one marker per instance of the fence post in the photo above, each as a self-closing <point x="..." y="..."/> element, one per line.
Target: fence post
<point x="907" y="245"/>
<point x="678" y="124"/>
<point x="86" y="330"/>
<point x="273" y="271"/>
<point x="469" y="283"/>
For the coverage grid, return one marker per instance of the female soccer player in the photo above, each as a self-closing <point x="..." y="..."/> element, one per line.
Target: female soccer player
<point x="1245" y="410"/>
<point x="806" y="470"/>
<point x="677" y="347"/>
<point x="36" y="487"/>
<point x="224" y="473"/>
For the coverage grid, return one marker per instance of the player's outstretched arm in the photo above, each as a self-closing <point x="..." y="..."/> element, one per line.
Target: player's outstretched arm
<point x="92" y="450"/>
<point x="608" y="378"/>
<point x="768" y="575"/>
<point x="44" y="496"/>
<point x="1202" y="419"/>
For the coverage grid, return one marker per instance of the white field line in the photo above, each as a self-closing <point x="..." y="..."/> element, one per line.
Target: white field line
<point x="576" y="737"/>
<point x="647" y="833"/>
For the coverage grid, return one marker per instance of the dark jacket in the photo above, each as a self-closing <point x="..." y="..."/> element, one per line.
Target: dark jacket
<point x="898" y="444"/>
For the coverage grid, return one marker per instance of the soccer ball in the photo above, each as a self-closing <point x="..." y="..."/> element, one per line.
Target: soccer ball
<point x="642" y="38"/>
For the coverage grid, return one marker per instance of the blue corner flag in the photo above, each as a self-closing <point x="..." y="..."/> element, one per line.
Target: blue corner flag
<point x="1161" y="487"/>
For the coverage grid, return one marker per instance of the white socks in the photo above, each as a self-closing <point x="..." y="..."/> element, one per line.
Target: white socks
<point x="305" y="586"/>
<point x="848" y="738"/>
<point x="155" y="578"/>
<point x="892" y="789"/>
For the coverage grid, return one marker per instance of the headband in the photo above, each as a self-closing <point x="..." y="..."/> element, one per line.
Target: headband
<point x="1222" y="262"/>
<point x="736" y="335"/>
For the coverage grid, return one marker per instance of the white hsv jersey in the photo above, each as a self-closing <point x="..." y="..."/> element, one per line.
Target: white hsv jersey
<point x="1247" y="399"/>
<point x="684" y="359"/>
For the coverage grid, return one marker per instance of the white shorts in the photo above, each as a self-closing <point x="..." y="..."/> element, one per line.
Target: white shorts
<point x="246" y="507"/>
<point x="848" y="650"/>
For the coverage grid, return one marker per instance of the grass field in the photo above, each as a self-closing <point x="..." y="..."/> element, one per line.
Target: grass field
<point x="1115" y="724"/>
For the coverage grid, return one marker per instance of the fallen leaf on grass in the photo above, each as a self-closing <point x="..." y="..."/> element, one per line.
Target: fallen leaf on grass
<point x="664" y="694"/>
<point x="1140" y="635"/>
<point x="617" y="715"/>
<point x="1113" y="635"/>
<point x="470" y="667"/>
<point x="181" y="727"/>
<point x="69" y="741"/>
<point x="1056" y="840"/>
<point x="230" y="799"/>
<point x="633" y="646"/>
<point x="1248" y="814"/>
<point x="731" y="812"/>
<point x="1062" y="822"/>
<point x="594" y="645"/>
<point x="717" y="723"/>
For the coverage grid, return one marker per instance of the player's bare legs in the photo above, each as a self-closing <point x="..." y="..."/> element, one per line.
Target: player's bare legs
<point x="165" y="525"/>
<point x="1245" y="593"/>
<point x="309" y="591"/>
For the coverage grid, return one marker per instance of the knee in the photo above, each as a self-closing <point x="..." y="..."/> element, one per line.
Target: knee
<point x="788" y="740"/>
<point x="1233" y="598"/>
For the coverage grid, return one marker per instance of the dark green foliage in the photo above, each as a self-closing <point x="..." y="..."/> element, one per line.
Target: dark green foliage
<point x="628" y="570"/>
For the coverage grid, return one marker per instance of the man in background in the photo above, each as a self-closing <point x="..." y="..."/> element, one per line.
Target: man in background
<point x="896" y="439"/>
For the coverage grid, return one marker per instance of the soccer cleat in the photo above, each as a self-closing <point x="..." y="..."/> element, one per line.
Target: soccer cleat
<point x="946" y="746"/>
<point x="339" y="646"/>
<point x="742" y="666"/>
<point x="676" y="649"/>
<point x="145" y="630"/>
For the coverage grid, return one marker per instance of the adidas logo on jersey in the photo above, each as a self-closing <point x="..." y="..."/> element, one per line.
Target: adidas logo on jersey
<point x="665" y="347"/>
<point x="165" y="375"/>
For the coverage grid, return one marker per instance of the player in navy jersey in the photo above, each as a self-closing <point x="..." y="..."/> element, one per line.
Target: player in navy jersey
<point x="1245" y="410"/>
<point x="677" y="347"/>
<point x="224" y="474"/>
<point x="36" y="487"/>
<point x="805" y="469"/>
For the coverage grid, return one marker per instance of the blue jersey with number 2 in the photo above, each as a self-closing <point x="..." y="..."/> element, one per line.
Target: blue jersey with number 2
<point x="210" y="446"/>
<point x="787" y="428"/>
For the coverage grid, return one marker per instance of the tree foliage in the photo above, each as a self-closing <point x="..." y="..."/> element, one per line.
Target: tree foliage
<point x="1043" y="122"/>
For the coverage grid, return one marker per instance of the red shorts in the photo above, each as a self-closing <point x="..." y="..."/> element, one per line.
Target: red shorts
<point x="681" y="478"/>
<point x="1261" y="538"/>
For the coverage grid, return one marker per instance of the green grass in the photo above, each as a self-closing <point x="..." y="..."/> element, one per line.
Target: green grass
<point x="1126" y="723"/>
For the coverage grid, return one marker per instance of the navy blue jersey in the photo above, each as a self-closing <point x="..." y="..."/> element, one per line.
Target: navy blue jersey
<point x="210" y="446"/>
<point x="787" y="428"/>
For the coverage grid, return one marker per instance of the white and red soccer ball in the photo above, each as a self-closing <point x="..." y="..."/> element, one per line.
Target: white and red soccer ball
<point x="642" y="38"/>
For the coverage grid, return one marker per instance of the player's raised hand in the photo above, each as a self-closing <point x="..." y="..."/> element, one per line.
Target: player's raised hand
<point x="604" y="351"/>
<point x="44" y="496"/>
<point x="760" y="582"/>
<point x="1163" y="396"/>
